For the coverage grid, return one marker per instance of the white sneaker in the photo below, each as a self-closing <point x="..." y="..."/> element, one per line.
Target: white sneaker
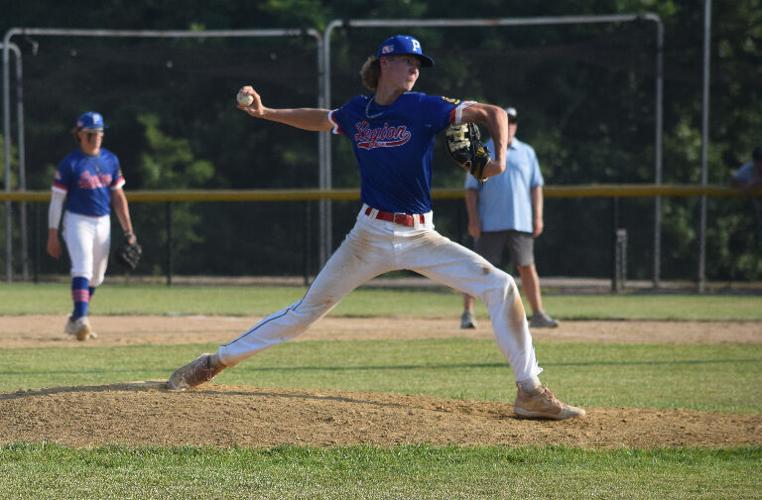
<point x="543" y="404"/>
<point x="80" y="328"/>
<point x="200" y="370"/>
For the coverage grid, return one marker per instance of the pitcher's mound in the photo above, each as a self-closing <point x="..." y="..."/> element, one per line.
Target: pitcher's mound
<point x="145" y="413"/>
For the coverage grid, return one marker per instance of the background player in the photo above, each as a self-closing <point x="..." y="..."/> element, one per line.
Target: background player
<point x="507" y="212"/>
<point x="748" y="177"/>
<point x="87" y="183"/>
<point x="392" y="133"/>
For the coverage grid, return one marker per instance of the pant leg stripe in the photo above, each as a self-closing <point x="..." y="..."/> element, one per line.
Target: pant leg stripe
<point x="264" y="322"/>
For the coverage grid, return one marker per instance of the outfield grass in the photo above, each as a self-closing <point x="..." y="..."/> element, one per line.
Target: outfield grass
<point x="706" y="377"/>
<point x="157" y="299"/>
<point x="41" y="471"/>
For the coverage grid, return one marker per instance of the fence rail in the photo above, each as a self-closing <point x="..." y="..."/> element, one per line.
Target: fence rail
<point x="298" y="219"/>
<point x="579" y="191"/>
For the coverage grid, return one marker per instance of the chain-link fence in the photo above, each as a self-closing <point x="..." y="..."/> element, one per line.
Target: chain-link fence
<point x="585" y="97"/>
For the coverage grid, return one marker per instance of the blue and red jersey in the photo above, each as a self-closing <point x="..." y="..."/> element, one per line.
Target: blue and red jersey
<point x="88" y="181"/>
<point x="394" y="145"/>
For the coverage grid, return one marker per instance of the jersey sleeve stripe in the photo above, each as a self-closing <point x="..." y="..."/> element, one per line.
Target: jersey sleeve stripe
<point x="59" y="186"/>
<point x="336" y="127"/>
<point x="119" y="183"/>
<point x="456" y="115"/>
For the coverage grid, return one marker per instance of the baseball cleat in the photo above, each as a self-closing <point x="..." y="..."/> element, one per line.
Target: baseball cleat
<point x="200" y="370"/>
<point x="80" y="328"/>
<point x="545" y="405"/>
<point x="467" y="321"/>
<point x="542" y="320"/>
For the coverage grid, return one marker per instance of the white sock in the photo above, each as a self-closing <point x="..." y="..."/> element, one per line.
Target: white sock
<point x="530" y="384"/>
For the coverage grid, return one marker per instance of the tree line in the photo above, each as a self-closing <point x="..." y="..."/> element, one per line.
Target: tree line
<point x="585" y="96"/>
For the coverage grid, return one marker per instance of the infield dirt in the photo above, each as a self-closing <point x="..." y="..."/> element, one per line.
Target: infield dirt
<point x="144" y="413"/>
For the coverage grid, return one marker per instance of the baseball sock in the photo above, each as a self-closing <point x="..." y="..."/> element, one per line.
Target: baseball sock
<point x="80" y="294"/>
<point x="530" y="384"/>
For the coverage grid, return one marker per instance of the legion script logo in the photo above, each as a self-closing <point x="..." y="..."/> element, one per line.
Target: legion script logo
<point x="89" y="181"/>
<point x="381" y="137"/>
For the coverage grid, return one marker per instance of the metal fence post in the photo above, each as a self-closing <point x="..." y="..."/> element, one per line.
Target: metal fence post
<point x="614" y="226"/>
<point x="36" y="209"/>
<point x="701" y="278"/>
<point x="620" y="260"/>
<point x="307" y="242"/>
<point x="168" y="221"/>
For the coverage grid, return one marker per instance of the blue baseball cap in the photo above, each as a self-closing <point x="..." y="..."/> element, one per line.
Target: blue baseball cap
<point x="90" y="120"/>
<point x="403" y="44"/>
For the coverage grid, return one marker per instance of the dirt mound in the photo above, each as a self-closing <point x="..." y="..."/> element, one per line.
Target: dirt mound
<point x="144" y="413"/>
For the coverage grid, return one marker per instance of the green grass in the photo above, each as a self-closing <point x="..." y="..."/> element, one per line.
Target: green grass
<point x="157" y="299"/>
<point x="44" y="471"/>
<point x="723" y="377"/>
<point x="719" y="377"/>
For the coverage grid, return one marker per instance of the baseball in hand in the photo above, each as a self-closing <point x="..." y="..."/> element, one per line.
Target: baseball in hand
<point x="244" y="99"/>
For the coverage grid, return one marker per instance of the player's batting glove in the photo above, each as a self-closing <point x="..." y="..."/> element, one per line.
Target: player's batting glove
<point x="465" y="147"/>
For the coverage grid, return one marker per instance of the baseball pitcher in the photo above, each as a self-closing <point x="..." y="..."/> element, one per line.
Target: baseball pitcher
<point x="392" y="131"/>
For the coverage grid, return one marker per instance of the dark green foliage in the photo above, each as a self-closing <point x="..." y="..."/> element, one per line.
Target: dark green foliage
<point x="585" y="95"/>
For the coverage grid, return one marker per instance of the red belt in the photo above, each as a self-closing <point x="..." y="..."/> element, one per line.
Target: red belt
<point x="397" y="217"/>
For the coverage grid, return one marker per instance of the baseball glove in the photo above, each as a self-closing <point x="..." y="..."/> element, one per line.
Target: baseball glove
<point x="465" y="147"/>
<point x="128" y="255"/>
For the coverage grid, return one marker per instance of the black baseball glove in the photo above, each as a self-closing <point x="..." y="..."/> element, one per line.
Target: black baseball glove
<point x="465" y="147"/>
<point x="128" y="255"/>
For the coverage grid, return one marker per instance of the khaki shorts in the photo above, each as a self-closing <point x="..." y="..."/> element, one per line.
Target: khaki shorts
<point x="490" y="245"/>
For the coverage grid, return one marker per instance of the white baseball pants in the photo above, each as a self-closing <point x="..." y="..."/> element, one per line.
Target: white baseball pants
<point x="88" y="240"/>
<point x="374" y="247"/>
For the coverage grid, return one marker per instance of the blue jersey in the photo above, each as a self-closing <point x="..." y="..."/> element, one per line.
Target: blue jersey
<point x="393" y="145"/>
<point x="88" y="181"/>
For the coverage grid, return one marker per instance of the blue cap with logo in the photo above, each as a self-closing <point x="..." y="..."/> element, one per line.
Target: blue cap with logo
<point x="90" y="120"/>
<point x="403" y="44"/>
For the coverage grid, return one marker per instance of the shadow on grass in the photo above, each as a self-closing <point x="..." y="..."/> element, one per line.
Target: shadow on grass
<point x="436" y="366"/>
<point x="448" y="366"/>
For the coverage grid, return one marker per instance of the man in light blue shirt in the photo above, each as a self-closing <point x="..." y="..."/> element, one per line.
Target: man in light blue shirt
<point x="507" y="211"/>
<point x="748" y="178"/>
